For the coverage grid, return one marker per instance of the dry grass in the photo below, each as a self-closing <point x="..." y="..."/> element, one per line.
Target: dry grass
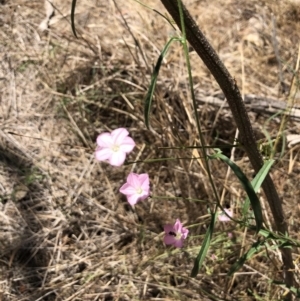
<point x="67" y="234"/>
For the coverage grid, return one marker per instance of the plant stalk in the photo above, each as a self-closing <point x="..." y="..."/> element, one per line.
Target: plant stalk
<point x="231" y="91"/>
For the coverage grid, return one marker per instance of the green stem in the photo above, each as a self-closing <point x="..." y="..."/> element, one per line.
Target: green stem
<point x="206" y="160"/>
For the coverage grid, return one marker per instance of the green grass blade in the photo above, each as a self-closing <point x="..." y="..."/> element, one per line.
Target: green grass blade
<point x="249" y="254"/>
<point x="259" y="178"/>
<point x="257" y="181"/>
<point x="150" y="93"/>
<point x="73" y="17"/>
<point x="248" y="188"/>
<point x="205" y="246"/>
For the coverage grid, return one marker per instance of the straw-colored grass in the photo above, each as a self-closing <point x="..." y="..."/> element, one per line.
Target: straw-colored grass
<point x="66" y="232"/>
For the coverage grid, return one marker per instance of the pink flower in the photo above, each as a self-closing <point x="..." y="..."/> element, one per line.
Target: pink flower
<point x="223" y="217"/>
<point x="175" y="234"/>
<point x="114" y="146"/>
<point x="214" y="257"/>
<point x="137" y="188"/>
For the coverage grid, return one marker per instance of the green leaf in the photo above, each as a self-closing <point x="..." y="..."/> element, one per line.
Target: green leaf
<point x="73" y="17"/>
<point x="150" y="92"/>
<point x="205" y="246"/>
<point x="253" y="250"/>
<point x="248" y="188"/>
<point x="259" y="178"/>
<point x="257" y="182"/>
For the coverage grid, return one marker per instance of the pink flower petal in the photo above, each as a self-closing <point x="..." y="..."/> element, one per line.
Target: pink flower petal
<point x="105" y="140"/>
<point x="223" y="217"/>
<point x="119" y="135"/>
<point x="132" y="199"/>
<point x="128" y="145"/>
<point x="185" y="233"/>
<point x="178" y="226"/>
<point x="133" y="180"/>
<point x="117" y="158"/>
<point x="168" y="228"/>
<point x="103" y="154"/>
<point x="169" y="239"/>
<point x="178" y="243"/>
<point x="127" y="189"/>
<point x="144" y="181"/>
<point x="143" y="195"/>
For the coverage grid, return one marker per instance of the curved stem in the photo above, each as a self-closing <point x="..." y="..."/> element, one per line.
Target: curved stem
<point x="231" y="91"/>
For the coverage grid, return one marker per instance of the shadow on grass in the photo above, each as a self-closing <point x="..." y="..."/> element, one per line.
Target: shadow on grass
<point x="24" y="260"/>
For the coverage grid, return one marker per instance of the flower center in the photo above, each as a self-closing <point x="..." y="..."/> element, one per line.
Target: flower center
<point x="176" y="235"/>
<point x="115" y="148"/>
<point x="139" y="190"/>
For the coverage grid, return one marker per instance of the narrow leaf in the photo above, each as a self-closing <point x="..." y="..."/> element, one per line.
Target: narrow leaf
<point x="257" y="182"/>
<point x="259" y="178"/>
<point x="253" y="250"/>
<point x="248" y="188"/>
<point x="73" y="17"/>
<point x="150" y="93"/>
<point x="205" y="246"/>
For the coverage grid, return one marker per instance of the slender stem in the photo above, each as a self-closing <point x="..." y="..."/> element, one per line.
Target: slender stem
<point x="231" y="91"/>
<point x="203" y="148"/>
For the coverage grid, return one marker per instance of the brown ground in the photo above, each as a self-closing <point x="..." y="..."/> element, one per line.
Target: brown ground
<point x="66" y="232"/>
